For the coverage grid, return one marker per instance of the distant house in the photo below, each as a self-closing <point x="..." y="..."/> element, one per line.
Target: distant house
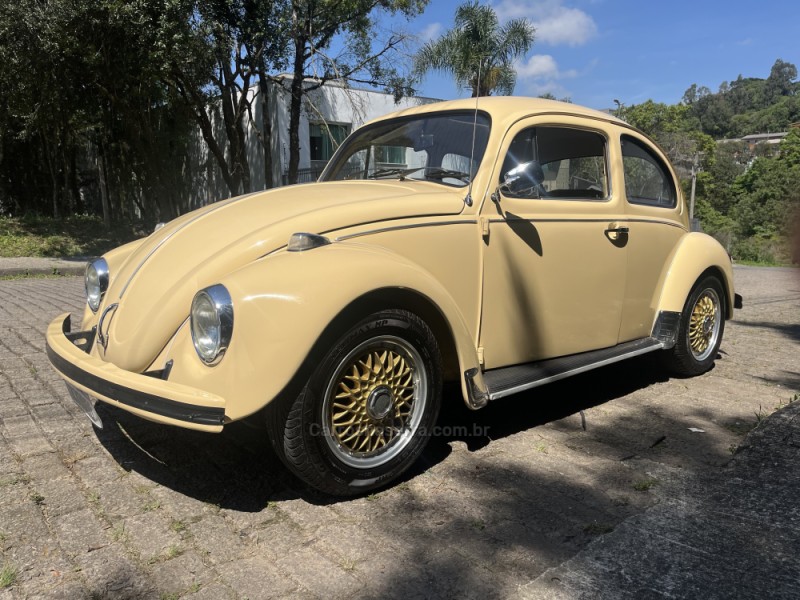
<point x="764" y="138"/>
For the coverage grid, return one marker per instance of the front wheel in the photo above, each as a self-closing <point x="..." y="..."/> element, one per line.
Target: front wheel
<point x="701" y="327"/>
<point x="368" y="408"/>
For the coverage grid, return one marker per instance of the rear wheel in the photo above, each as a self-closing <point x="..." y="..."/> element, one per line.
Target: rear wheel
<point x="701" y="328"/>
<point x="367" y="410"/>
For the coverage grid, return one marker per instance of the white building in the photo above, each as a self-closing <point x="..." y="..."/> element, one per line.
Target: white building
<point x="330" y="113"/>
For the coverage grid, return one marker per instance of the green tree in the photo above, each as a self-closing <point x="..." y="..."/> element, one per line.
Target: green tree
<point x="655" y="117"/>
<point x="232" y="43"/>
<point x="780" y="81"/>
<point x="478" y="44"/>
<point x="366" y="57"/>
<point x="87" y="111"/>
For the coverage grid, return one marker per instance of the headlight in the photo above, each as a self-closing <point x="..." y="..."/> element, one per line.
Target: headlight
<point x="96" y="282"/>
<point x="212" y="323"/>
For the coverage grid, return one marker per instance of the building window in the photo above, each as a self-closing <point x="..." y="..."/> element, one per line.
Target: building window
<point x="325" y="139"/>
<point x="391" y="155"/>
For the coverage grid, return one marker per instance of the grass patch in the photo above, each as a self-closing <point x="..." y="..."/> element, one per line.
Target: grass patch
<point x="739" y="427"/>
<point x="37" y="498"/>
<point x="644" y="485"/>
<point x="8" y="576"/>
<point x="177" y="526"/>
<point x="78" y="235"/>
<point x="118" y="533"/>
<point x="764" y="263"/>
<point x="15" y="479"/>
<point x="478" y="524"/>
<point x="596" y="528"/>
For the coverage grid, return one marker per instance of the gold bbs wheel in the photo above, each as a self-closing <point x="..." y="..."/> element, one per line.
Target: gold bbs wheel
<point x="374" y="402"/>
<point x="704" y="324"/>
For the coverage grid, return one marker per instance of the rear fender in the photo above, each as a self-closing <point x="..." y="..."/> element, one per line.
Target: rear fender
<point x="696" y="255"/>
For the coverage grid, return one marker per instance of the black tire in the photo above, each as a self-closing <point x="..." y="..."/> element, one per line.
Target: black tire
<point x="700" y="331"/>
<point x="395" y="353"/>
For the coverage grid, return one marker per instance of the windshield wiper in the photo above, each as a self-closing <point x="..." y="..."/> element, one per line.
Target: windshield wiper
<point x="441" y="173"/>
<point x="392" y="172"/>
<point x="437" y="173"/>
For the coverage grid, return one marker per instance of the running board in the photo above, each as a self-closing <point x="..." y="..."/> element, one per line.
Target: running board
<point x="510" y="380"/>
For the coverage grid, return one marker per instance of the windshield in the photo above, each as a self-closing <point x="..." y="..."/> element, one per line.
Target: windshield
<point x="432" y="147"/>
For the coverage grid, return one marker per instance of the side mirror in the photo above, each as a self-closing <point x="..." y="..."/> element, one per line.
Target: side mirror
<point x="524" y="181"/>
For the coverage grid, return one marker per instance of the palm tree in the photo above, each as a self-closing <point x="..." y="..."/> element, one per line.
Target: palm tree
<point x="478" y="43"/>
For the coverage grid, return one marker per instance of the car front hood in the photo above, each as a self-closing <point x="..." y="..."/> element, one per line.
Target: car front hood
<point x="154" y="287"/>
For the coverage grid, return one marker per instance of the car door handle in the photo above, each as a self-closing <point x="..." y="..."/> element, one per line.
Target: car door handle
<point x="613" y="229"/>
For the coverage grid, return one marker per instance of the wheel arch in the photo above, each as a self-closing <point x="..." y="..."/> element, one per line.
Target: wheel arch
<point x="403" y="299"/>
<point x="697" y="256"/>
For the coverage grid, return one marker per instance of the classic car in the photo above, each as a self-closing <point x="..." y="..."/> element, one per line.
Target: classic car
<point x="502" y="244"/>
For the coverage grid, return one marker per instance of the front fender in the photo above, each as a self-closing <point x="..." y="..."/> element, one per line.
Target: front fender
<point x="283" y="303"/>
<point x="695" y="254"/>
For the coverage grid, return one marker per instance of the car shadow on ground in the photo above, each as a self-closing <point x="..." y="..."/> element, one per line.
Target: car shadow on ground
<point x="238" y="470"/>
<point x="789" y="330"/>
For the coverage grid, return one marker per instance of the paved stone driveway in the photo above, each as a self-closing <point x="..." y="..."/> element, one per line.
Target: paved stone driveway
<point x="142" y="510"/>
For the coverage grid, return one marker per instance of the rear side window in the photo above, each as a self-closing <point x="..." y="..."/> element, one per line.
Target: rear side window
<point x="647" y="178"/>
<point x="556" y="162"/>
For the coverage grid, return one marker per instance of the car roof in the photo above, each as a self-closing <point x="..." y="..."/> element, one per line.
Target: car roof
<point x="507" y="108"/>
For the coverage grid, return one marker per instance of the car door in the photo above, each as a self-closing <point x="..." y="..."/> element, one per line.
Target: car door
<point x="657" y="221"/>
<point x="554" y="245"/>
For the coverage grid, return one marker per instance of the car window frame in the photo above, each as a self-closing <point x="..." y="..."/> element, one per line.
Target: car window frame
<point x="335" y="159"/>
<point x="661" y="162"/>
<point x="606" y="158"/>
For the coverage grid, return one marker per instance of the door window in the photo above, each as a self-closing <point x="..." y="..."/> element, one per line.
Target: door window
<point x="556" y="162"/>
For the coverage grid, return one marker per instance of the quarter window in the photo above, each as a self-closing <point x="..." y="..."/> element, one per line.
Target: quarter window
<point x="556" y="162"/>
<point x="647" y="179"/>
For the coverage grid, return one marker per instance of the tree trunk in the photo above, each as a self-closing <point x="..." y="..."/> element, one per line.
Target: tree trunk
<point x="295" y="107"/>
<point x="228" y="100"/>
<point x="50" y="160"/>
<point x="266" y="127"/>
<point x="101" y="176"/>
<point x="74" y="188"/>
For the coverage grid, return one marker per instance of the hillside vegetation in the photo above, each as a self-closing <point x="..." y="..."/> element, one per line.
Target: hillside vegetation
<point x="744" y="197"/>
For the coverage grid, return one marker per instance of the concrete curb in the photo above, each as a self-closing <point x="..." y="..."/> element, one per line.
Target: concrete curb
<point x="33" y="266"/>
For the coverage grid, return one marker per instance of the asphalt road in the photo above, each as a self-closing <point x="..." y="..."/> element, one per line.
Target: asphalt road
<point x="514" y="501"/>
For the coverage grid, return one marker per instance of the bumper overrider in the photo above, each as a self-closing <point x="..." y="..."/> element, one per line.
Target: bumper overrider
<point x="149" y="395"/>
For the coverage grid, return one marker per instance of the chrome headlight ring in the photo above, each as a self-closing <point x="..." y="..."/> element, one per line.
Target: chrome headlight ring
<point x="211" y="323"/>
<point x="96" y="283"/>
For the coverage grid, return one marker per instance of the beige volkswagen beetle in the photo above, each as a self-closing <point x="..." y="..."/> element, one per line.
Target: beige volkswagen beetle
<point x="502" y="246"/>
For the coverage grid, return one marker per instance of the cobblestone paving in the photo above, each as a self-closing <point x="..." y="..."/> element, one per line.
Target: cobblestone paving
<point x="143" y="510"/>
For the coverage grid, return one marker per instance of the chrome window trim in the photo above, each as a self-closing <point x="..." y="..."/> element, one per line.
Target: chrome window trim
<point x="599" y="220"/>
<point x="350" y="236"/>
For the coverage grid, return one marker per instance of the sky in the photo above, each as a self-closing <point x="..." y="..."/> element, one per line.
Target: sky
<point x="596" y="51"/>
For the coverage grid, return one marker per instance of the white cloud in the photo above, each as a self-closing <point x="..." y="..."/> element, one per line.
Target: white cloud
<point x="542" y="66"/>
<point x="540" y="74"/>
<point x="555" y="23"/>
<point x="430" y="32"/>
